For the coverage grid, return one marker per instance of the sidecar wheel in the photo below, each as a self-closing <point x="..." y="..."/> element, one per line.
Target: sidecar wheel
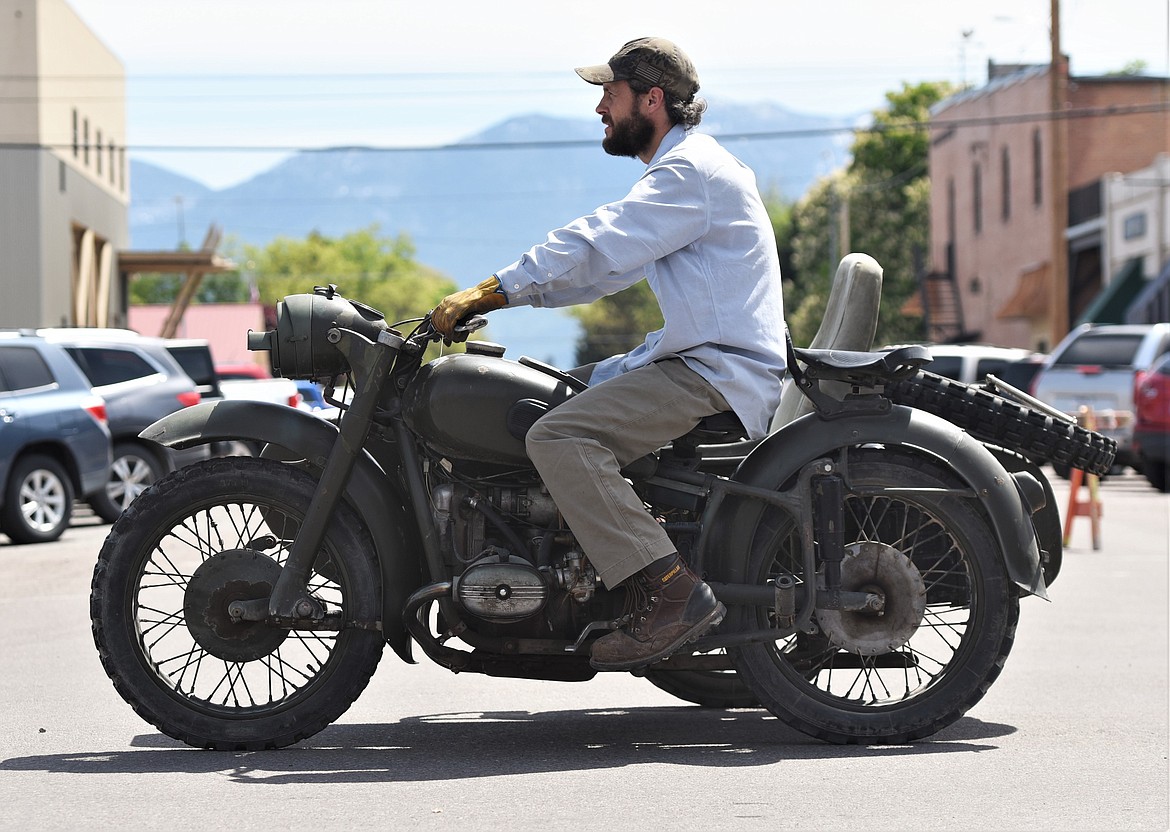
<point x="708" y="688"/>
<point x="199" y="539"/>
<point x="948" y="626"/>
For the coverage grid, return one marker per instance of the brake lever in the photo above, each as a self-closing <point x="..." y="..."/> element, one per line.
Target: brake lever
<point x="471" y="324"/>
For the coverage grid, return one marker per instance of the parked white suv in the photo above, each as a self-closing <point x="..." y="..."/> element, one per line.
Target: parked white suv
<point x="970" y="363"/>
<point x="1094" y="366"/>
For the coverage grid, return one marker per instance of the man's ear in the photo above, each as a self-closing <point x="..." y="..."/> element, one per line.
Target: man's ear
<point x="654" y="99"/>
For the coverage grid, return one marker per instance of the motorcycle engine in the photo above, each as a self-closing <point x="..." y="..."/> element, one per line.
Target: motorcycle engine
<point x="501" y="587"/>
<point x="510" y="553"/>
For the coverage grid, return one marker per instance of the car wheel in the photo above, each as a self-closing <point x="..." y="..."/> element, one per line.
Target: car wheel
<point x="38" y="502"/>
<point x="134" y="469"/>
<point x="1155" y="473"/>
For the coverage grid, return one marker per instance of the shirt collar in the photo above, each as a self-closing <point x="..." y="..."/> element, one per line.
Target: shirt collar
<point x="673" y="136"/>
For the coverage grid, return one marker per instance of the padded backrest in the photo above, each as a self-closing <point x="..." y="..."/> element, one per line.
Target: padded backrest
<point x="850" y="323"/>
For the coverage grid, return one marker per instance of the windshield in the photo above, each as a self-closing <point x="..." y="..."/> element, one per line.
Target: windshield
<point x="1108" y="349"/>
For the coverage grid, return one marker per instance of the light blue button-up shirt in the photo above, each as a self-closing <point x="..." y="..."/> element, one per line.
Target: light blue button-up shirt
<point x="695" y="228"/>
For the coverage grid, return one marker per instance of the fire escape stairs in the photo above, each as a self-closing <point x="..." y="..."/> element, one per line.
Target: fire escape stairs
<point x="942" y="309"/>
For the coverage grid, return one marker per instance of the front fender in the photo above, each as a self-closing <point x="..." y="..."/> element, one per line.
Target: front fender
<point x="370" y="492"/>
<point x="783" y="453"/>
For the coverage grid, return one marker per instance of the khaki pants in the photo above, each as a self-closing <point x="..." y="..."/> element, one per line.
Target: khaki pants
<point x="580" y="447"/>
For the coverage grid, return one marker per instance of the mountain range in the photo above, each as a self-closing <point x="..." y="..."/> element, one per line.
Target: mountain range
<point x="473" y="206"/>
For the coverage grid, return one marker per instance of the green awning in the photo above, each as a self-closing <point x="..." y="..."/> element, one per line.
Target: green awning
<point x="1111" y="303"/>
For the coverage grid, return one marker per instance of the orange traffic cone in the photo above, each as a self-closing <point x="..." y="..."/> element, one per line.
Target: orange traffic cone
<point x="1091" y="507"/>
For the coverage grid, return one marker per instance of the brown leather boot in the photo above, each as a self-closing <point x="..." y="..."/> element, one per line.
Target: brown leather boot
<point x="673" y="606"/>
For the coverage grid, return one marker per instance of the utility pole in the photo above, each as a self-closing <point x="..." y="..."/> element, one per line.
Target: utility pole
<point x="1058" y="130"/>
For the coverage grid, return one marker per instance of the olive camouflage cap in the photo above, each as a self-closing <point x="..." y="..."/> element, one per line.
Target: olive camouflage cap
<point x="654" y="61"/>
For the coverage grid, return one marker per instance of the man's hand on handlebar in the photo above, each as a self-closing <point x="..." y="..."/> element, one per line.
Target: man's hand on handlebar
<point x="453" y="309"/>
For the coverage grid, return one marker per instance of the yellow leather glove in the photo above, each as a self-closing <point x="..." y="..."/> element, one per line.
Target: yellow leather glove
<point x="455" y="307"/>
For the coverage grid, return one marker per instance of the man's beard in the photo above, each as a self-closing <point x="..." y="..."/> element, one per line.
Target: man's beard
<point x="630" y="136"/>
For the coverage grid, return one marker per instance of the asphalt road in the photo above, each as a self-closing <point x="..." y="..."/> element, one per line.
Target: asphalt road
<point x="1073" y="735"/>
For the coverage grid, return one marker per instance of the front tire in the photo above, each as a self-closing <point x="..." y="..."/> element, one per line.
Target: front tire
<point x="865" y="679"/>
<point x="204" y="536"/>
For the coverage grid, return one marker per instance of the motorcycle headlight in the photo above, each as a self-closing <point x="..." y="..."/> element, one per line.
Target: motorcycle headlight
<point x="299" y="346"/>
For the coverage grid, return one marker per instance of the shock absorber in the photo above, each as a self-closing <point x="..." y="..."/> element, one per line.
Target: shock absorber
<point x="829" y="523"/>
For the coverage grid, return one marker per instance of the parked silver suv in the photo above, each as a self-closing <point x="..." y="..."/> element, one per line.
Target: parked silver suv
<point x="54" y="444"/>
<point x="141" y="382"/>
<point x="1094" y="366"/>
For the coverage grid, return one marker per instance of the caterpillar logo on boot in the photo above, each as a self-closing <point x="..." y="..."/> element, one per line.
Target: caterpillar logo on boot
<point x="665" y="578"/>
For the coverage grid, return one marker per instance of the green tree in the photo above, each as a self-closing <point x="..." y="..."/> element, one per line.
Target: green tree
<point x="365" y="265"/>
<point x="163" y="288"/>
<point x="887" y="193"/>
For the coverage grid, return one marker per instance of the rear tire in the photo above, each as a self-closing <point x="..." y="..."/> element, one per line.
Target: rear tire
<point x="708" y="688"/>
<point x="203" y="537"/>
<point x="912" y="671"/>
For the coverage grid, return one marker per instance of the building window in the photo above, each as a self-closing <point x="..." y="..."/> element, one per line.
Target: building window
<point x="1134" y="226"/>
<point x="1006" y="171"/>
<point x="85" y="141"/>
<point x="61" y="176"/>
<point x="76" y="135"/>
<point x="97" y="152"/>
<point x="1037" y="169"/>
<point x="113" y="162"/>
<point x="950" y="210"/>
<point x="122" y="169"/>
<point x="977" y="196"/>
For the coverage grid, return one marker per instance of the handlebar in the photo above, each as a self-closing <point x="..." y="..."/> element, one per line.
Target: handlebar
<point x="426" y="332"/>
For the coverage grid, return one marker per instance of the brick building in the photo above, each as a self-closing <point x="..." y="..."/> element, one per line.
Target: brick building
<point x="1018" y="248"/>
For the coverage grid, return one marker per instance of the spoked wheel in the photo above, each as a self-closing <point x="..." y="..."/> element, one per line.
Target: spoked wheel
<point x="948" y="624"/>
<point x="172" y="567"/>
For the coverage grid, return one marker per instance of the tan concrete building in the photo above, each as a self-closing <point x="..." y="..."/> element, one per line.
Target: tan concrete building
<point x="1010" y="185"/>
<point x="64" y="185"/>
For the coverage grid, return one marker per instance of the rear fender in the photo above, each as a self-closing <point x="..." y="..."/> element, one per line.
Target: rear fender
<point x="370" y="492"/>
<point x="783" y="453"/>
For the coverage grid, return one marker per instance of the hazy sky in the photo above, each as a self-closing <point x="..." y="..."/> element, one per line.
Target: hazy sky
<point x="292" y="73"/>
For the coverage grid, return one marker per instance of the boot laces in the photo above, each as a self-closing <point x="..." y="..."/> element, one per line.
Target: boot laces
<point x="639" y="602"/>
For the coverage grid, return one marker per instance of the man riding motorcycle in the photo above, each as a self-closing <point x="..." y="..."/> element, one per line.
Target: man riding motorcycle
<point x="695" y="228"/>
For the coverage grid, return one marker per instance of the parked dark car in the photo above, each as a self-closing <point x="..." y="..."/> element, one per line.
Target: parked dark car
<point x="141" y="382"/>
<point x="194" y="356"/>
<point x="1021" y="373"/>
<point x="54" y="443"/>
<point x="1151" y="426"/>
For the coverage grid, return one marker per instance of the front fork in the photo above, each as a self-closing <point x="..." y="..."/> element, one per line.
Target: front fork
<point x="291" y="602"/>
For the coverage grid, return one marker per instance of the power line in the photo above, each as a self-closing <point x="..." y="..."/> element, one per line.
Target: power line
<point x="942" y="124"/>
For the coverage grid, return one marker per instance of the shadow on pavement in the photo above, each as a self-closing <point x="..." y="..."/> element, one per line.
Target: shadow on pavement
<point x="456" y="746"/>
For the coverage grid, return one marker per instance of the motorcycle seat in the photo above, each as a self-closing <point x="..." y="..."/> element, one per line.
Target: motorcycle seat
<point x="847" y="365"/>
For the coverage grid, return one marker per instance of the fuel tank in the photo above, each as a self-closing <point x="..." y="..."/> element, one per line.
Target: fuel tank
<point x="479" y="407"/>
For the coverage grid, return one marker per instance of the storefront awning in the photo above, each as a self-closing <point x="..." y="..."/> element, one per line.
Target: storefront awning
<point x="1033" y="295"/>
<point x="1112" y="302"/>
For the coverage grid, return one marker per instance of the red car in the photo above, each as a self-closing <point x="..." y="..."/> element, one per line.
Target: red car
<point x="1151" y="429"/>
